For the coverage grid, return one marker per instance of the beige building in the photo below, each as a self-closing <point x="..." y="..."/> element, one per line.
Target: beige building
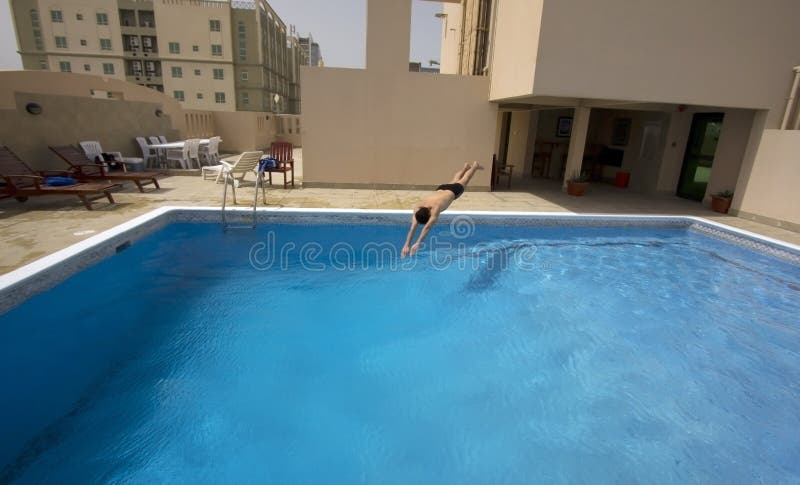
<point x="466" y="25"/>
<point x="312" y="53"/>
<point x="669" y="94"/>
<point x="209" y="55"/>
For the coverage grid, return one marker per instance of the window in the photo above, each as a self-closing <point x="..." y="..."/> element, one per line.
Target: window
<point x="195" y="48"/>
<point x="245" y="98"/>
<point x="108" y="68"/>
<point x="219" y="74"/>
<point x="242" y="42"/>
<point x="83" y="42"/>
<point x="61" y="42"/>
<point x="197" y="72"/>
<point x="178" y="95"/>
<point x="65" y="66"/>
<point x="199" y="95"/>
<point x="177" y="71"/>
<point x="216" y="50"/>
<point x="87" y="67"/>
<point x="79" y="16"/>
<point x="35" y="18"/>
<point x="37" y="39"/>
<point x="56" y="16"/>
<point x="174" y="48"/>
<point x="105" y="44"/>
<point x="43" y="65"/>
<point x="215" y="25"/>
<point x="102" y="19"/>
<point x="219" y="97"/>
<point x="245" y="76"/>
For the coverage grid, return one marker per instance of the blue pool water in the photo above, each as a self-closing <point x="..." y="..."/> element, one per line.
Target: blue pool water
<point x="550" y="355"/>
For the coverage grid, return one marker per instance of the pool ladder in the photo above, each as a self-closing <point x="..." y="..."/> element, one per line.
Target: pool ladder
<point x="230" y="179"/>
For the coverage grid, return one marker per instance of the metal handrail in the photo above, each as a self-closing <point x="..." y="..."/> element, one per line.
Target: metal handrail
<point x="259" y="183"/>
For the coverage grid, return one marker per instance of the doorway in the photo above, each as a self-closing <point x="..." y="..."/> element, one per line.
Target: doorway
<point x="699" y="155"/>
<point x="505" y="131"/>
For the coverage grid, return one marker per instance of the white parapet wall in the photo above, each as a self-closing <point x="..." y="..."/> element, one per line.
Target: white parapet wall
<point x="386" y="127"/>
<point x="772" y="191"/>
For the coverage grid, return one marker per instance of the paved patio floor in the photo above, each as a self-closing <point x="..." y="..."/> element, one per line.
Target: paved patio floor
<point x="42" y="225"/>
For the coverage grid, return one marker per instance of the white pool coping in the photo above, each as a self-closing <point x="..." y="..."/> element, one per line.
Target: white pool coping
<point x="22" y="283"/>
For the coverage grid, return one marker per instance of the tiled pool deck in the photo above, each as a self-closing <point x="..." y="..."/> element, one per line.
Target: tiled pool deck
<point x="43" y="225"/>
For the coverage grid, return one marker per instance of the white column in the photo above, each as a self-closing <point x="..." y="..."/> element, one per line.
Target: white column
<point x="577" y="143"/>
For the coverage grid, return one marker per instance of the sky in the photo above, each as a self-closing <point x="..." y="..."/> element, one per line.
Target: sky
<point x="339" y="26"/>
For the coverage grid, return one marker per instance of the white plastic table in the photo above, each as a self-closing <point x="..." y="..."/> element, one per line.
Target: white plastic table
<point x="176" y="144"/>
<point x="163" y="147"/>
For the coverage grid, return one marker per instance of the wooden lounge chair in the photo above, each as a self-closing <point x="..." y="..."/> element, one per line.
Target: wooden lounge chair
<point x="85" y="169"/>
<point x="282" y="152"/>
<point x="21" y="182"/>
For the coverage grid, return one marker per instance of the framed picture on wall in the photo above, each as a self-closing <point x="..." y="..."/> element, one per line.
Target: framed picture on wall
<point x="622" y="132"/>
<point x="564" y="126"/>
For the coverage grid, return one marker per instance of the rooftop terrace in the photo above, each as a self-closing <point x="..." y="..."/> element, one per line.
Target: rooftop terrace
<point x="43" y="225"/>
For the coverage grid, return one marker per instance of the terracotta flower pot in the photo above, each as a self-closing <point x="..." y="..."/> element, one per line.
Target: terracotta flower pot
<point x="720" y="204"/>
<point x="577" y="188"/>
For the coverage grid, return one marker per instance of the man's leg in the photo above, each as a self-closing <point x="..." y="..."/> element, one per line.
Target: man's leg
<point x="464" y="180"/>
<point x="458" y="175"/>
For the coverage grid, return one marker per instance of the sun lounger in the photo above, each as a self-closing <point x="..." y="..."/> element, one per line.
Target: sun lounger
<point x="22" y="182"/>
<point x="85" y="169"/>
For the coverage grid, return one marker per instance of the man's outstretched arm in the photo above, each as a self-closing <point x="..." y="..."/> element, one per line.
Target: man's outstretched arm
<point x="407" y="244"/>
<point x="424" y="233"/>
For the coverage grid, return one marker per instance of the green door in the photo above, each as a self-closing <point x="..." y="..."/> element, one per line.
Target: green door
<point x="703" y="138"/>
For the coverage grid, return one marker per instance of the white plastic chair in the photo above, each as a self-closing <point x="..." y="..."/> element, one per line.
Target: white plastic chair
<point x="162" y="139"/>
<point x="210" y="152"/>
<point x="193" y="151"/>
<point x="245" y="163"/>
<point x="94" y="152"/>
<point x="154" y="140"/>
<point x="180" y="155"/>
<point x="149" y="154"/>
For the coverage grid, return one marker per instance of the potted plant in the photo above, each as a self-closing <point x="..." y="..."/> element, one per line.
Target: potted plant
<point x="721" y="201"/>
<point x="578" y="184"/>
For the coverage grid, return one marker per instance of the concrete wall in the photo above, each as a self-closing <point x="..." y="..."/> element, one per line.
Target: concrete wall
<point x="770" y="193"/>
<point x="243" y="130"/>
<point x="70" y="114"/>
<point x="736" y="53"/>
<point x="385" y="126"/>
<point x="516" y="43"/>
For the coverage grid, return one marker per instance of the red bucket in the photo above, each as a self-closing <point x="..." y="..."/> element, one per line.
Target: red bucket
<point x="622" y="179"/>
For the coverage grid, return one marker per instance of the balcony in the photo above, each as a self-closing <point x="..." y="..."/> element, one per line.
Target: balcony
<point x="127" y="18"/>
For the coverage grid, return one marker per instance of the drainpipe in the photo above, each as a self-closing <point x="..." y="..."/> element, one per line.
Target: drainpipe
<point x="790" y="102"/>
<point x="490" y="40"/>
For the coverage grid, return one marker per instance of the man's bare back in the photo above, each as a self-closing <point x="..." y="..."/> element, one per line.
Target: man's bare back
<point x="428" y="209"/>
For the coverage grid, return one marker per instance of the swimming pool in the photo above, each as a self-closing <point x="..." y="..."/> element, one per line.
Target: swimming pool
<point x="524" y="348"/>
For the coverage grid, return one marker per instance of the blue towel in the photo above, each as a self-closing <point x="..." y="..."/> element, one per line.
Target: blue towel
<point x="59" y="181"/>
<point x="267" y="163"/>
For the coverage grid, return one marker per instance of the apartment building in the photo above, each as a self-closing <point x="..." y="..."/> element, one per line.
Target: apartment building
<point x="263" y="66"/>
<point x="466" y="29"/>
<point x="209" y="55"/>
<point x="313" y="53"/>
